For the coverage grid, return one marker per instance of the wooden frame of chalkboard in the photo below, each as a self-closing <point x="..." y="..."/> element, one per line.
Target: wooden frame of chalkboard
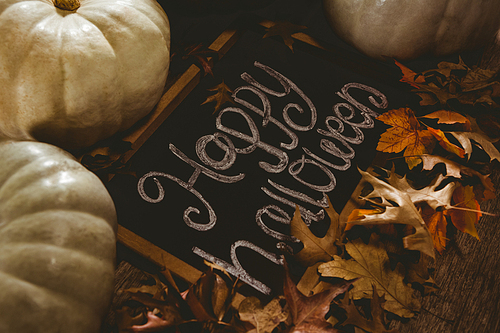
<point x="179" y="89"/>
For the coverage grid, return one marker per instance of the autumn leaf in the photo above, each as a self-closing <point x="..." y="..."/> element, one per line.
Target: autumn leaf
<point x="399" y="208"/>
<point x="467" y="210"/>
<point x="359" y="214"/>
<point x="459" y="171"/>
<point x="436" y="223"/>
<point x="454" y="81"/>
<point x="449" y="118"/>
<point x="265" y="319"/>
<point x="370" y="265"/>
<point x="483" y="141"/>
<point x="308" y="312"/>
<point x="285" y="30"/>
<point x="223" y="94"/>
<point x="374" y="325"/>
<point x="157" y="296"/>
<point x="409" y="76"/>
<point x="153" y="324"/>
<point x="211" y="296"/>
<point x="445" y="143"/>
<point x="405" y="134"/>
<point x="418" y="272"/>
<point x="196" y="53"/>
<point x="315" y="249"/>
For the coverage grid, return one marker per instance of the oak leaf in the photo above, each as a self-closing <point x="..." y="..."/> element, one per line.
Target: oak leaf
<point x="370" y="265"/>
<point x="400" y="208"/>
<point x="285" y="30"/>
<point x="308" y="312"/>
<point x="482" y="141"/>
<point x="223" y="95"/>
<point x="457" y="170"/>
<point x="466" y="212"/>
<point x="265" y="319"/>
<point x="405" y="134"/>
<point x="315" y="248"/>
<point x="377" y="322"/>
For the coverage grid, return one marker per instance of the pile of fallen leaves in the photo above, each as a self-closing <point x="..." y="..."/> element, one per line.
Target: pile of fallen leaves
<point x="372" y="265"/>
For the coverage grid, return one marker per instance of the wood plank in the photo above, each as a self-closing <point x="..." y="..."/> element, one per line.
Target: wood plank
<point x="468" y="275"/>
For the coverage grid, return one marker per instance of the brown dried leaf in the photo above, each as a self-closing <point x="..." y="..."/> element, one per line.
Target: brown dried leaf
<point x="308" y="313"/>
<point x="285" y="30"/>
<point x="409" y="76"/>
<point x="436" y="223"/>
<point x="211" y="296"/>
<point x="466" y="212"/>
<point x="374" y="325"/>
<point x="419" y="273"/>
<point x="370" y="264"/>
<point x="315" y="249"/>
<point x="448" y="117"/>
<point x="265" y="319"/>
<point x="223" y="94"/>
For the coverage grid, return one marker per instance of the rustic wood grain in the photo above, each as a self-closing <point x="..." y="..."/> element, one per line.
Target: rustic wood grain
<point x="468" y="274"/>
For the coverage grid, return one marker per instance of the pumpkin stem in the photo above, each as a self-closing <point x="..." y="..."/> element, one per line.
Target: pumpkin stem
<point x="70" y="5"/>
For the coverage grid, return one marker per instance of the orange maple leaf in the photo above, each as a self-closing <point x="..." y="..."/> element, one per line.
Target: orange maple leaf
<point x="466" y="212"/>
<point x="445" y="143"/>
<point x="405" y="134"/>
<point x="410" y="76"/>
<point x="436" y="223"/>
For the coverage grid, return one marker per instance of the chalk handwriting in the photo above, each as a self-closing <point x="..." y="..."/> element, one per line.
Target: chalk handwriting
<point x="333" y="154"/>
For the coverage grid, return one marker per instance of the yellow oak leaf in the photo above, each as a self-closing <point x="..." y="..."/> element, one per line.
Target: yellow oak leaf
<point x="264" y="318"/>
<point x="370" y="265"/>
<point x="405" y="134"/>
<point x="315" y="249"/>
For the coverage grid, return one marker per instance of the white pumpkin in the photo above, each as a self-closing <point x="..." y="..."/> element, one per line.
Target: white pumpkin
<point x="407" y="29"/>
<point x="77" y="75"/>
<point x="57" y="242"/>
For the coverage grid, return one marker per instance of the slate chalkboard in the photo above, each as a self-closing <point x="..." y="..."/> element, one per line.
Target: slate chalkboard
<point x="222" y="186"/>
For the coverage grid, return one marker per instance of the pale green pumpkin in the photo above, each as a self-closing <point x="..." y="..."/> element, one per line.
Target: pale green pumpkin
<point x="79" y="74"/>
<point x="57" y="242"/>
<point x="407" y="29"/>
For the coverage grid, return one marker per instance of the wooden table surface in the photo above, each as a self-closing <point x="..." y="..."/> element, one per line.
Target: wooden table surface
<point x="468" y="272"/>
